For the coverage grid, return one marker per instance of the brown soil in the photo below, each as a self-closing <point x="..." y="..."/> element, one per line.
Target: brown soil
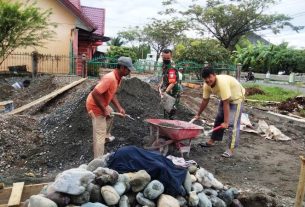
<point x="253" y="90"/>
<point x="292" y="104"/>
<point x="57" y="135"/>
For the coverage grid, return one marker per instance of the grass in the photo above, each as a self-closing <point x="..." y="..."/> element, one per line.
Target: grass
<point x="272" y="93"/>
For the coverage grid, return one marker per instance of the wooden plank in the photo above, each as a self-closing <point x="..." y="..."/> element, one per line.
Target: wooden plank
<point x="47" y="97"/>
<point x="16" y="193"/>
<point x="261" y="101"/>
<point x="301" y="186"/>
<point x="192" y="85"/>
<point x="287" y="117"/>
<point x="3" y="103"/>
<point x="28" y="191"/>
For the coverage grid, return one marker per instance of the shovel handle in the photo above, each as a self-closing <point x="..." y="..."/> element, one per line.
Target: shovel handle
<point x="160" y="92"/>
<point x="216" y="128"/>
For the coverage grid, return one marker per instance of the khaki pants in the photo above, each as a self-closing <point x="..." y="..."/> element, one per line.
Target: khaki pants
<point x="101" y="130"/>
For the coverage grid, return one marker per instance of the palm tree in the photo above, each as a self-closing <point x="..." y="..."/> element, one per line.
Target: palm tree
<point x="116" y="41"/>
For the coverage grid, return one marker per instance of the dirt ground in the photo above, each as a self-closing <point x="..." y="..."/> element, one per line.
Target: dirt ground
<point x="54" y="136"/>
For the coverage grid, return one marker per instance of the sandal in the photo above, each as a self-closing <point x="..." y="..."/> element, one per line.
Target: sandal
<point x="227" y="154"/>
<point x="206" y="144"/>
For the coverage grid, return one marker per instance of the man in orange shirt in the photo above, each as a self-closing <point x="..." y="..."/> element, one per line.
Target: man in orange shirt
<point x="98" y="101"/>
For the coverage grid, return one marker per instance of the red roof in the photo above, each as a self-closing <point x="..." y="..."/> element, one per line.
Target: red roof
<point x="72" y="5"/>
<point x="76" y="3"/>
<point x="97" y="16"/>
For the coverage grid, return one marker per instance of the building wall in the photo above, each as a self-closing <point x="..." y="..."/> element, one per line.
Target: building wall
<point x="64" y="38"/>
<point x="65" y="20"/>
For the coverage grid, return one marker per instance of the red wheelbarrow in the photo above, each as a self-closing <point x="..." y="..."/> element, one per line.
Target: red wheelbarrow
<point x="176" y="131"/>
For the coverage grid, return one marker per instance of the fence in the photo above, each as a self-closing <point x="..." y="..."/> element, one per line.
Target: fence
<point x="40" y="63"/>
<point x="190" y="68"/>
<point x="279" y="78"/>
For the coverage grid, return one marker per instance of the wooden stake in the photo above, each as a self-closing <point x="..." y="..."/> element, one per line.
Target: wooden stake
<point x="301" y="186"/>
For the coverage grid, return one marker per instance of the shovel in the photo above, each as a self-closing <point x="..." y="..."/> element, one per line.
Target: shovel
<point x="119" y="114"/>
<point x="207" y="133"/>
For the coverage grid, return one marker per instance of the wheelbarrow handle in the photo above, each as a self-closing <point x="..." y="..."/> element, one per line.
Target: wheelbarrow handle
<point x="193" y="119"/>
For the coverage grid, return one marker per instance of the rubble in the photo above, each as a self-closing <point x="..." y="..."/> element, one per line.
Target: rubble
<point x="292" y="104"/>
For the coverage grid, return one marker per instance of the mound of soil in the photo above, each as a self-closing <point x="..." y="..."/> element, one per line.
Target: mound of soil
<point x="253" y="90"/>
<point x="58" y="134"/>
<point x="292" y="104"/>
<point x="39" y="87"/>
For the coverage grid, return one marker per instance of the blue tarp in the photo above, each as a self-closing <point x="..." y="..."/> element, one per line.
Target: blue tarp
<point x="133" y="159"/>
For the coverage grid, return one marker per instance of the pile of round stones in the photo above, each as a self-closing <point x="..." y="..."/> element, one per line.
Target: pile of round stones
<point x="95" y="185"/>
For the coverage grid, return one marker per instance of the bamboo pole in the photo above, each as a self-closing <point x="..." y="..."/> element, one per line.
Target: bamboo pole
<point x="301" y="186"/>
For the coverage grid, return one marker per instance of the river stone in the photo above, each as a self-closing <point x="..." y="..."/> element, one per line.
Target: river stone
<point x="106" y="176"/>
<point x="83" y="166"/>
<point x="131" y="197"/>
<point x="73" y="181"/>
<point x="192" y="169"/>
<point x="94" y="164"/>
<point x="120" y="188"/>
<point x="124" y="202"/>
<point x="80" y="199"/>
<point x="207" y="179"/>
<point x="217" y="202"/>
<point x="182" y="201"/>
<point x="227" y="196"/>
<point x="187" y="183"/>
<point x="139" y="180"/>
<point x="124" y="179"/>
<point x="167" y="201"/>
<point x="153" y="190"/>
<point x="47" y="189"/>
<point x="210" y="192"/>
<point x="193" y="199"/>
<point x="39" y="201"/>
<point x="110" y="196"/>
<point x="193" y="178"/>
<point x="144" y="201"/>
<point x="95" y="193"/>
<point x="234" y="191"/>
<point x="197" y="187"/>
<point x="204" y="200"/>
<point x="26" y="203"/>
<point x="60" y="199"/>
<point x="89" y="204"/>
<point x="237" y="203"/>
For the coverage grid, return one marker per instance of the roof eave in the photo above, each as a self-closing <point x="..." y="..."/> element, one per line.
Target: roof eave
<point x="79" y="14"/>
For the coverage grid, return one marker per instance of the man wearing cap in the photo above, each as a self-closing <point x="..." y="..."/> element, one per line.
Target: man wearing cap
<point x="98" y="101"/>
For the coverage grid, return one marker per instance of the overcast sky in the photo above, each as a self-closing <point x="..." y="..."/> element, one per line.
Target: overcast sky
<point x="121" y="14"/>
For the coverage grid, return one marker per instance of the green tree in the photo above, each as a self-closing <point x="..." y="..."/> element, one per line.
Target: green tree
<point x="116" y="52"/>
<point x="116" y="41"/>
<point x="161" y="34"/>
<point x="228" y="22"/>
<point x="201" y="50"/>
<point x="134" y="36"/>
<point x="270" y="57"/>
<point x="22" y="25"/>
<point x="141" y="50"/>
